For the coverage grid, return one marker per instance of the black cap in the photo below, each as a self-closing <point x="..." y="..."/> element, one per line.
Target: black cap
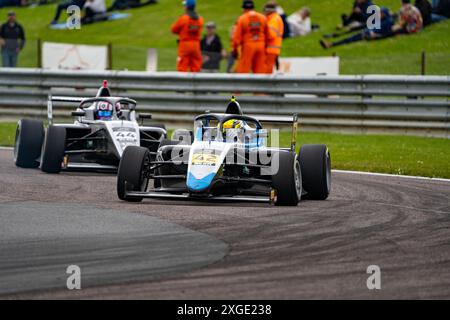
<point x="248" y="4"/>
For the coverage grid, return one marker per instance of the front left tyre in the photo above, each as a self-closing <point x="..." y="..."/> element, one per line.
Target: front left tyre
<point x="287" y="181"/>
<point x="54" y="148"/>
<point x="28" y="143"/>
<point x="132" y="172"/>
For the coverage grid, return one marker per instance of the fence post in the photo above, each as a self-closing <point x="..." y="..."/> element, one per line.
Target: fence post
<point x="39" y="53"/>
<point x="424" y="63"/>
<point x="110" y="63"/>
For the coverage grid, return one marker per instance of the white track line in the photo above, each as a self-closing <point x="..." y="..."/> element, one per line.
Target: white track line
<point x="355" y="172"/>
<point x="391" y="175"/>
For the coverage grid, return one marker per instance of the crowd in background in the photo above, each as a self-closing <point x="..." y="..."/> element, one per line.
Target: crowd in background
<point x="256" y="39"/>
<point x="410" y="19"/>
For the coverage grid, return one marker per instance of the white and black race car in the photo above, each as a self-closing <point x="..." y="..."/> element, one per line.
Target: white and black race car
<point x="104" y="126"/>
<point x="228" y="160"/>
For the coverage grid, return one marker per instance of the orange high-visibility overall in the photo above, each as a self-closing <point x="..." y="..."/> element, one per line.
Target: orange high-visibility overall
<point x="189" y="32"/>
<point x="250" y="35"/>
<point x="274" y="42"/>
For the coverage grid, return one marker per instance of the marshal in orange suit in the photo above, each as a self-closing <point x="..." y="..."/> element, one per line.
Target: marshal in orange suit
<point x="189" y="27"/>
<point x="250" y="35"/>
<point x="275" y="40"/>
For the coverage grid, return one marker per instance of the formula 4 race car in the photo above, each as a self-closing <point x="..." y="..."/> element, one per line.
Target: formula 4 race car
<point x="104" y="126"/>
<point x="228" y="160"/>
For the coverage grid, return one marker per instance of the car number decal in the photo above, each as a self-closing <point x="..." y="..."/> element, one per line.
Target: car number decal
<point x="202" y="159"/>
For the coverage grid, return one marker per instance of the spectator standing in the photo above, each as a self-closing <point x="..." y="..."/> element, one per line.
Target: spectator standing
<point x="12" y="40"/>
<point x="250" y="36"/>
<point x="212" y="49"/>
<point x="63" y="6"/>
<point x="274" y="41"/>
<point x="189" y="27"/>
<point x="410" y="19"/>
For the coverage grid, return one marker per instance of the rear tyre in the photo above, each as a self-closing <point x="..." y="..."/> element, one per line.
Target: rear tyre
<point x="315" y="163"/>
<point x="132" y="172"/>
<point x="28" y="143"/>
<point x="288" y="180"/>
<point x="54" y="147"/>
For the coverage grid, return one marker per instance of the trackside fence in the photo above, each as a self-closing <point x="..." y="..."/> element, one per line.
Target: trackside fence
<point x="371" y="103"/>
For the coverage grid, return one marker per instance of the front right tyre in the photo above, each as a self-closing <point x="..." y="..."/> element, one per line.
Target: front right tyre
<point x="132" y="175"/>
<point x="54" y="148"/>
<point x="315" y="162"/>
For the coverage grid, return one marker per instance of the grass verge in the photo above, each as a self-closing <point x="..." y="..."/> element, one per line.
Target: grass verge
<point x="419" y="156"/>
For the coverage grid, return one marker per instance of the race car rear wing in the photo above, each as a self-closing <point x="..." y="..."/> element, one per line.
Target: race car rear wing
<point x="283" y="119"/>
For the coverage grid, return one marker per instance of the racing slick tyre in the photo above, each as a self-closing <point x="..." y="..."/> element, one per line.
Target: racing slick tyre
<point x="28" y="143"/>
<point x="315" y="163"/>
<point x="132" y="172"/>
<point x="53" y="151"/>
<point x="288" y="180"/>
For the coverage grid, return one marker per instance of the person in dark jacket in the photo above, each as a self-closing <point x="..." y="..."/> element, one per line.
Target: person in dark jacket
<point x="440" y="10"/>
<point x="12" y="40"/>
<point x="127" y="4"/>
<point x="358" y="17"/>
<point x="385" y="30"/>
<point x="212" y="49"/>
<point x="425" y="10"/>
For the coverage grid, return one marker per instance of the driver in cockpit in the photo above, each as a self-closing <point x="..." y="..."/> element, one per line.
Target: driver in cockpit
<point x="104" y="111"/>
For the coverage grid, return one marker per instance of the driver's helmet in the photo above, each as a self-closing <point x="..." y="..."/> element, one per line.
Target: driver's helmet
<point x="229" y="129"/>
<point x="104" y="111"/>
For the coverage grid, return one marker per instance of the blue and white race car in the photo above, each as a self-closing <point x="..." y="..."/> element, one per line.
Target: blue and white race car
<point x="227" y="158"/>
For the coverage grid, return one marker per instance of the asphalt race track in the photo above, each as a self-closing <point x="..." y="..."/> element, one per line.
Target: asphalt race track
<point x="189" y="250"/>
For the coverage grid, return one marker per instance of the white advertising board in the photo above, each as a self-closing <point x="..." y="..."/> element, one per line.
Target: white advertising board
<point x="310" y="66"/>
<point x="74" y="57"/>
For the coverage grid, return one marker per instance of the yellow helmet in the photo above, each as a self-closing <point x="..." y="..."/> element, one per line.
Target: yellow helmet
<point x="232" y="124"/>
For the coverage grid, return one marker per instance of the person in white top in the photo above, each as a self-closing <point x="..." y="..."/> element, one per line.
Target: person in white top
<point x="300" y="22"/>
<point x="93" y="8"/>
